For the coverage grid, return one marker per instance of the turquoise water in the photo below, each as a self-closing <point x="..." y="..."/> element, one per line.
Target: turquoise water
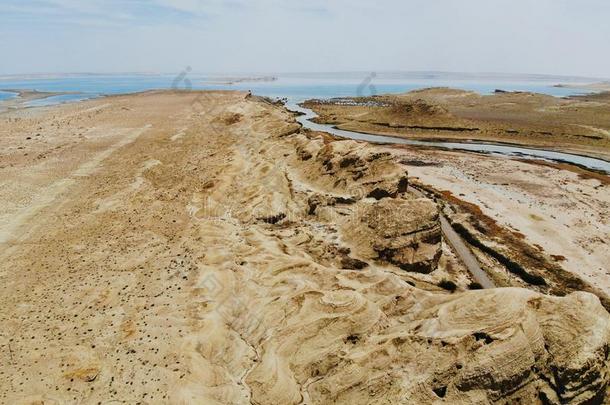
<point x="112" y="84"/>
<point x="299" y="90"/>
<point x="63" y="98"/>
<point x="5" y="95"/>
<point x="294" y="87"/>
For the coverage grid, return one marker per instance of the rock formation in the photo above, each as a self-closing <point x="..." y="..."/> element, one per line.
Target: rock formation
<point x="411" y="243"/>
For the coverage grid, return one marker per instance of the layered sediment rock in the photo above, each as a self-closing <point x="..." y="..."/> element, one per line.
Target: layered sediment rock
<point x="352" y="168"/>
<point x="383" y="224"/>
<point x="403" y="232"/>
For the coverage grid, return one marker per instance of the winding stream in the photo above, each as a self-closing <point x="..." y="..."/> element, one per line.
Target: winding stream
<point x="471" y="146"/>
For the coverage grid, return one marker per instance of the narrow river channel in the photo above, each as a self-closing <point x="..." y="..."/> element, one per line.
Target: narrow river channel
<point x="471" y="146"/>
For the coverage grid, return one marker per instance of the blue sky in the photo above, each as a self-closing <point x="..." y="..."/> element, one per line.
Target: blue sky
<point x="216" y="36"/>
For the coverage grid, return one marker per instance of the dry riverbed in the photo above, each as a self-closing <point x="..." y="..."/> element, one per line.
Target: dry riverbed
<point x="561" y="210"/>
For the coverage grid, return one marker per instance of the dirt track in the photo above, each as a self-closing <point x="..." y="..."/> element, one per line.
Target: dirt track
<point x="463" y="253"/>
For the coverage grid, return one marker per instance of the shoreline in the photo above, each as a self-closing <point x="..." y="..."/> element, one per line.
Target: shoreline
<point x="594" y="87"/>
<point x="25" y="96"/>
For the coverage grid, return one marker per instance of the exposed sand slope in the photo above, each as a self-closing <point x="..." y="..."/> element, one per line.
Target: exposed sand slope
<point x="193" y="248"/>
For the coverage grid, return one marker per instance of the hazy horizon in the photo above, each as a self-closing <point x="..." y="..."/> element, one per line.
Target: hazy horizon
<point x="545" y="37"/>
<point x="355" y="75"/>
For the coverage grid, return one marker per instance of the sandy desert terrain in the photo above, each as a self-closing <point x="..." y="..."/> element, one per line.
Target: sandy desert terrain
<point x="193" y="247"/>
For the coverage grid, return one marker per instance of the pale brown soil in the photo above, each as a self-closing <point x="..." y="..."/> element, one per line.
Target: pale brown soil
<point x="190" y="247"/>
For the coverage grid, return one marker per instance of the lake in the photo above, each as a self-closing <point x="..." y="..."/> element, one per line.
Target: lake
<point x="295" y="87"/>
<point x="5" y="95"/>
